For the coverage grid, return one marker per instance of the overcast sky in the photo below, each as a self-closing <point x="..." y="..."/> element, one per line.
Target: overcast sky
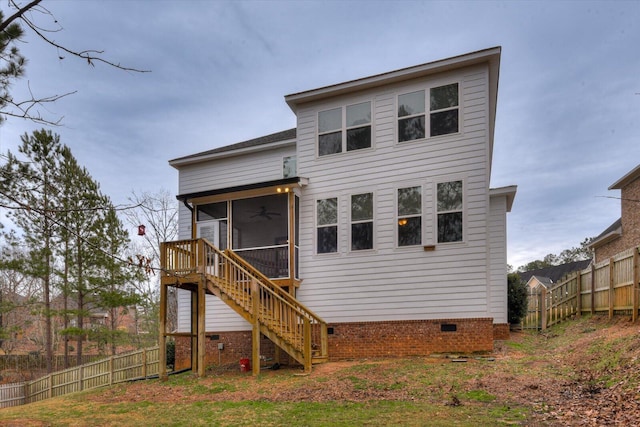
<point x="568" y="119"/>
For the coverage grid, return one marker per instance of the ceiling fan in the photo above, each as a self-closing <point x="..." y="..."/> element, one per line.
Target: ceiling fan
<point x="264" y="213"/>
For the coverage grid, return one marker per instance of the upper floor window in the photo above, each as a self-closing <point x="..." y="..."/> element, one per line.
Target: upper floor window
<point x="327" y="225"/>
<point x="449" y="211"/>
<point x="334" y="138"/>
<point x="443" y="113"/>
<point x="410" y="216"/>
<point x="362" y="221"/>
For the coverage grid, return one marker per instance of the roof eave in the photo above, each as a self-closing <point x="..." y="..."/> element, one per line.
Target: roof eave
<point x="297" y="180"/>
<point x="626" y="180"/>
<point x="509" y="192"/>
<point x="609" y="237"/>
<point x="491" y="55"/>
<point x="189" y="160"/>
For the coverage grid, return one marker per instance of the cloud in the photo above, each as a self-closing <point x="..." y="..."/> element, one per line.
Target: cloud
<point x="567" y="111"/>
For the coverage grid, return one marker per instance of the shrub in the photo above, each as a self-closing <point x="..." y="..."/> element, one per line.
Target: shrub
<point x="171" y="353"/>
<point x="517" y="298"/>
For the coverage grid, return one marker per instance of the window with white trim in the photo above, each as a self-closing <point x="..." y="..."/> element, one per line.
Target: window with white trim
<point x="449" y="211"/>
<point x="327" y="225"/>
<point x="409" y="218"/>
<point x="335" y="138"/>
<point x="361" y="221"/>
<point x="443" y="114"/>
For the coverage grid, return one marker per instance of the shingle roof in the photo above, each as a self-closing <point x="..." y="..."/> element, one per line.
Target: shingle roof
<point x="556" y="272"/>
<point x="612" y="232"/>
<point x="255" y="142"/>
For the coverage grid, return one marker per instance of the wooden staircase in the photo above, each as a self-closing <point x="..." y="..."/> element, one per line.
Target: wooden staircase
<point x="270" y="310"/>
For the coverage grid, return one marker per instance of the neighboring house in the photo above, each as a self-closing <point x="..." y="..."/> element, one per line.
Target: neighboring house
<point x="624" y="233"/>
<point x="549" y="275"/>
<point x="535" y="281"/>
<point x="375" y="212"/>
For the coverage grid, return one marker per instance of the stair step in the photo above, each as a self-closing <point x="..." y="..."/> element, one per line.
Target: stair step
<point x="241" y="300"/>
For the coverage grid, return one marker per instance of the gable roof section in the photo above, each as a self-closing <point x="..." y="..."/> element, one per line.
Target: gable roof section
<point x="266" y="142"/>
<point x="544" y="281"/>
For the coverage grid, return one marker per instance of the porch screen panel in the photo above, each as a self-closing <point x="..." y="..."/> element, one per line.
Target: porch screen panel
<point x="261" y="233"/>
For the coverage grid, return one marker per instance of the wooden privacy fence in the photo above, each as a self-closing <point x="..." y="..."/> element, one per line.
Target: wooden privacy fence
<point x="38" y="362"/>
<point x="135" y="365"/>
<point x="610" y="287"/>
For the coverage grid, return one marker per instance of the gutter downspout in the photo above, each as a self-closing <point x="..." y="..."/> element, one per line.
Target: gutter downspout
<point x="193" y="217"/>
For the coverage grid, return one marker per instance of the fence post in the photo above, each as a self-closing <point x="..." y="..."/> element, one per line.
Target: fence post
<point x="543" y="308"/>
<point x="593" y="289"/>
<point x="579" y="293"/>
<point x="634" y="288"/>
<point x="111" y="370"/>
<point x="612" y="270"/>
<point x="50" y="384"/>
<point x="144" y="363"/>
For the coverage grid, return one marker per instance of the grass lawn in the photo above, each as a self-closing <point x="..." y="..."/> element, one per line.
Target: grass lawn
<point x="581" y="371"/>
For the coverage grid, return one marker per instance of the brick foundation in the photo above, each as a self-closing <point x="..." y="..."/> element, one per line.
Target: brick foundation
<point x="236" y="346"/>
<point x="501" y="331"/>
<point x="409" y="338"/>
<point x="363" y="340"/>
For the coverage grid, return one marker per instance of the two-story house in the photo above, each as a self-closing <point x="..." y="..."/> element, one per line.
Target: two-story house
<point x="375" y="214"/>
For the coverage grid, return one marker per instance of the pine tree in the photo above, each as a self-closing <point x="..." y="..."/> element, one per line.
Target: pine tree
<point x="32" y="186"/>
<point x="115" y="293"/>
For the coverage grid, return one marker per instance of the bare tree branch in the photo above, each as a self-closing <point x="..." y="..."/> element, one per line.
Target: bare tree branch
<point x="18" y="14"/>
<point x="89" y="55"/>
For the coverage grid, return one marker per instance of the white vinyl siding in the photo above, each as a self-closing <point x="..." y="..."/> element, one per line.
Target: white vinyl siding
<point x="223" y="173"/>
<point x="400" y="283"/>
<point x="498" y="259"/>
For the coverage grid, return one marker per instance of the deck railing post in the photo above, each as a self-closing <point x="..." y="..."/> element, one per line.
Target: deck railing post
<point x="307" y="345"/>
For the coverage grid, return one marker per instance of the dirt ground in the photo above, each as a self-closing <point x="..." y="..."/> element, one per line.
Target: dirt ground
<point x="586" y="374"/>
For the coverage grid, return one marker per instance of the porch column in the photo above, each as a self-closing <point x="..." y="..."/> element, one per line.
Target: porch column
<point x="201" y="327"/>
<point x="162" y="338"/>
<point x="194" y="331"/>
<point x="255" y="331"/>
